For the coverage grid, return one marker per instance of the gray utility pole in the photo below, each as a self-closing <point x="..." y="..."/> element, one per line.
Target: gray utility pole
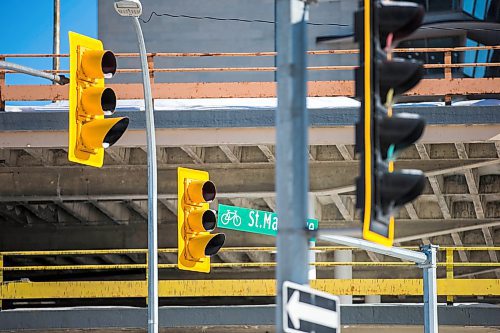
<point x="57" y="37"/>
<point x="426" y="259"/>
<point x="292" y="172"/>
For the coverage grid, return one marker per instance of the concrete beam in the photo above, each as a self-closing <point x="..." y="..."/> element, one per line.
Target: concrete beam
<point x="412" y="213"/>
<point x="45" y="156"/>
<point x="8" y="157"/>
<point x="118" y="154"/>
<point x="243" y="202"/>
<point x="458" y="242"/>
<point x="344" y="152"/>
<point x="78" y="211"/>
<point x="232" y="153"/>
<point x="113" y="210"/>
<point x="337" y="200"/>
<point x="433" y="180"/>
<point x="243" y="315"/>
<point x="134" y="235"/>
<point x="115" y="183"/>
<point x="196" y="153"/>
<point x="489" y="242"/>
<point x="171" y="205"/>
<point x="255" y="126"/>
<point x="271" y="203"/>
<point x="471" y="179"/>
<point x="266" y="150"/>
<point x="140" y="207"/>
<point x="447" y="231"/>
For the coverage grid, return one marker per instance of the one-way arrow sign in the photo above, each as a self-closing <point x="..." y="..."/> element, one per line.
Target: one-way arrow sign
<point x="309" y="310"/>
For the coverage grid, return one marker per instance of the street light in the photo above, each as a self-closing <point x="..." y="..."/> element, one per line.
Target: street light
<point x="133" y="8"/>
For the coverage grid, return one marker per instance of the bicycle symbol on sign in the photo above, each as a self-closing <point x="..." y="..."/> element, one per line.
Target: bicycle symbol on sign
<point x="231" y="216"/>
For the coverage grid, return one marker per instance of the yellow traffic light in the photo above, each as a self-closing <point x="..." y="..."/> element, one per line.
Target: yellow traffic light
<point x="89" y="101"/>
<point x="196" y="220"/>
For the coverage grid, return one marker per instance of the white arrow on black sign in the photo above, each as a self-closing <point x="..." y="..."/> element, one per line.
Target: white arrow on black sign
<point x="315" y="307"/>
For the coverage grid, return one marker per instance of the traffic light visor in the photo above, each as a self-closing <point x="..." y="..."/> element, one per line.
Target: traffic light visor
<point x="215" y="244"/>
<point x="103" y="133"/>
<point x="400" y="187"/>
<point x="205" y="245"/>
<point x="201" y="191"/>
<point x="99" y="64"/>
<point x="400" y="130"/>
<point x="401" y="18"/>
<point x="202" y="220"/>
<point x="400" y="75"/>
<point x="98" y="101"/>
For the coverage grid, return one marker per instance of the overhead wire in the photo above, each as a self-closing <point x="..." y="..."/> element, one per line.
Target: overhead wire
<point x="213" y="18"/>
<point x="230" y="19"/>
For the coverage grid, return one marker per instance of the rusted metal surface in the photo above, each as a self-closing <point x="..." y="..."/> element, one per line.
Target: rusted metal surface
<point x="449" y="286"/>
<point x="447" y="68"/>
<point x="429" y="87"/>
<point x="2" y="87"/>
<point x="447" y="87"/>
<point x="265" y="54"/>
<point x="441" y="87"/>
<point x="238" y="288"/>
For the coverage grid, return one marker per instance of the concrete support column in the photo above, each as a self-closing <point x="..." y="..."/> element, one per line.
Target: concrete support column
<point x="343" y="272"/>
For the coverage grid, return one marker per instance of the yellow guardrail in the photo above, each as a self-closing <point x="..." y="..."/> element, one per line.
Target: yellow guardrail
<point x="449" y="286"/>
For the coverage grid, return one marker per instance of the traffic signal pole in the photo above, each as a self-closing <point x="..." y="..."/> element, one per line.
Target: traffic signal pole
<point x="425" y="259"/>
<point x="152" y="275"/>
<point x="292" y="174"/>
<point x="59" y="79"/>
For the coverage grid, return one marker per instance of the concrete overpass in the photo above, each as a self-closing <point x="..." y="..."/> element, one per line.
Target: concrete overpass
<point x="48" y="203"/>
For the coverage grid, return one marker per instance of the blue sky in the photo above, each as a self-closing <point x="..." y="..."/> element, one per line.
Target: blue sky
<point x="27" y="28"/>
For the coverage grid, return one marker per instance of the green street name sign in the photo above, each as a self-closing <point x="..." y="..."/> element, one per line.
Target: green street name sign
<point x="252" y="220"/>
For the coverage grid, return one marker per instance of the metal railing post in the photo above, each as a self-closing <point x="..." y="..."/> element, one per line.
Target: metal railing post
<point x="1" y="280"/>
<point x="151" y="65"/>
<point x="447" y="74"/>
<point x="430" y="289"/>
<point x="449" y="272"/>
<point x="2" y="87"/>
<point x="147" y="275"/>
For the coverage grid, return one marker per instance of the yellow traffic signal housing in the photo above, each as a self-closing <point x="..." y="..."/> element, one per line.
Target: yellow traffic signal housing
<point x="196" y="220"/>
<point x="89" y="101"/>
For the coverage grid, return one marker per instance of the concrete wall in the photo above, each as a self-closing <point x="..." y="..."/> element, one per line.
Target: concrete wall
<point x="169" y="34"/>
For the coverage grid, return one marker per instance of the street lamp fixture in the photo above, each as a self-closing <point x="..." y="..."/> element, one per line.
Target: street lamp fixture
<point x="131" y="8"/>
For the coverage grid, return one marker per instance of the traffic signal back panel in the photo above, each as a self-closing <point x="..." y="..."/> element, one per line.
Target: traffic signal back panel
<point x="89" y="101"/>
<point x="196" y="220"/>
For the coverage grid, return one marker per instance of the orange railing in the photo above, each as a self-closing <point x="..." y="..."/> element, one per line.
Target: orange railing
<point x="446" y="86"/>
